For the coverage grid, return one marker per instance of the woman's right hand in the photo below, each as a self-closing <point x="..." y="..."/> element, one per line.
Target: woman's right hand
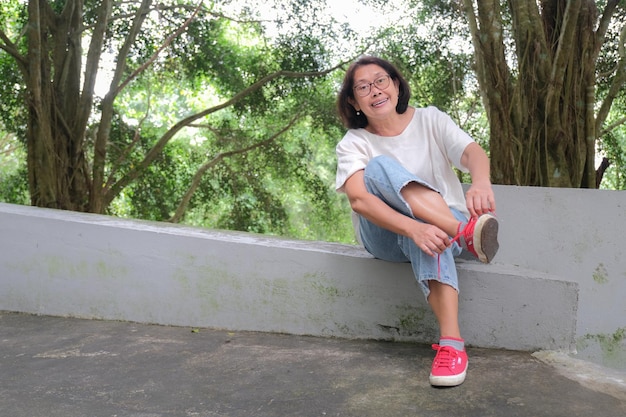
<point x="430" y="239"/>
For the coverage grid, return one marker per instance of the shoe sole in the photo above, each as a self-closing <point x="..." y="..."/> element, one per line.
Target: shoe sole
<point x="447" y="381"/>
<point x="486" y="238"/>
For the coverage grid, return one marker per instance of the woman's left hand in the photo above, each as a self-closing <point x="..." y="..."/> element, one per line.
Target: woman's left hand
<point x="480" y="199"/>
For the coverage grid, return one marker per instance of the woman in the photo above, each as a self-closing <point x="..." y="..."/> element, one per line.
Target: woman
<point x="394" y="164"/>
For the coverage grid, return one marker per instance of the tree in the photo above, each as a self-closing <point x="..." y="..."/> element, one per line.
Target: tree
<point x="538" y="66"/>
<point x="77" y="164"/>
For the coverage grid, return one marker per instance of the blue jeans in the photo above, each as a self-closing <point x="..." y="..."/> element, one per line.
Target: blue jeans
<point x="385" y="178"/>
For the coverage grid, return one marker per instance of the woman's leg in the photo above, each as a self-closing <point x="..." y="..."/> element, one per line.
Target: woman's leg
<point x="444" y="301"/>
<point x="439" y="282"/>
<point x="428" y="205"/>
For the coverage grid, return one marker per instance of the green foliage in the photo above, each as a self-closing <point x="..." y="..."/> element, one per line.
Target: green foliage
<point x="156" y="193"/>
<point x="218" y="49"/>
<point x="613" y="146"/>
<point x="12" y="116"/>
<point x="13" y="173"/>
<point x="286" y="186"/>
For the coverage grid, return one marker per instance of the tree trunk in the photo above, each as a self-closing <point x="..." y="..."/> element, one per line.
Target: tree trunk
<point x="541" y="113"/>
<point x="56" y="173"/>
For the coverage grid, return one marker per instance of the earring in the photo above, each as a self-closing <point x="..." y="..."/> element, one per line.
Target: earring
<point x="358" y="112"/>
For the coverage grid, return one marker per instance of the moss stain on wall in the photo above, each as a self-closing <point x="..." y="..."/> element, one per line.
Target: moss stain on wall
<point x="415" y="321"/>
<point x="611" y="347"/>
<point x="58" y="266"/>
<point x="609" y="342"/>
<point x="601" y="275"/>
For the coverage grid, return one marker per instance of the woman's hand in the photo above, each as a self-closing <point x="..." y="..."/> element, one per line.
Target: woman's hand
<point x="480" y="199"/>
<point x="430" y="239"/>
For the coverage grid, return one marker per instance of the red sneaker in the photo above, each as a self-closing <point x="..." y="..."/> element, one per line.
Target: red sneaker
<point x="480" y="237"/>
<point x="449" y="367"/>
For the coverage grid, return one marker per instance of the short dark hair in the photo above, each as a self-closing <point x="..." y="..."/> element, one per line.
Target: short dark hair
<point x="347" y="112"/>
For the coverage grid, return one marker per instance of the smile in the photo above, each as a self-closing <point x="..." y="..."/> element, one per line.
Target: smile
<point x="380" y="103"/>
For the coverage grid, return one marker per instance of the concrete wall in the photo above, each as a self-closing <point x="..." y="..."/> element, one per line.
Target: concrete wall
<point x="558" y="280"/>
<point x="577" y="235"/>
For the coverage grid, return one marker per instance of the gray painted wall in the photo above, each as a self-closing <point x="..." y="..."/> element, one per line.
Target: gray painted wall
<point x="577" y="235"/>
<point x="558" y="281"/>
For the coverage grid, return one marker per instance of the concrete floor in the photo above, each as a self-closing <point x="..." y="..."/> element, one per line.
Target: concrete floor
<point x="66" y="367"/>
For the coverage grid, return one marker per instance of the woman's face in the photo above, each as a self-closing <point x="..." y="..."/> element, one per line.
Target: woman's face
<point x="375" y="93"/>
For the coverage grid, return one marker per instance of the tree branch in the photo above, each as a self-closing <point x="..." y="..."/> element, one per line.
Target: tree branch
<point x="12" y="50"/>
<point x="478" y="52"/>
<point x="92" y="63"/>
<point x="6" y="146"/>
<point x="567" y="36"/>
<point x="187" y="7"/>
<point x="156" y="150"/>
<point x="612" y="126"/>
<point x="603" y="25"/>
<point x="106" y="117"/>
<point x="491" y="43"/>
<point x="604" y="165"/>
<point x="618" y="82"/>
<point x="68" y="10"/>
<point x="127" y="150"/>
<point x="35" y="54"/>
<point x="154" y="56"/>
<point x="195" y="182"/>
<point x="118" y="73"/>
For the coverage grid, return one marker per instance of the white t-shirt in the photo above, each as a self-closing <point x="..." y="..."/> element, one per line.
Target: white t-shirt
<point x="427" y="148"/>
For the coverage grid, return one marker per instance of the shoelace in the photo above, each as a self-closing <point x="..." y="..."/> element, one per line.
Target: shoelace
<point x="467" y="230"/>
<point x="455" y="239"/>
<point x="468" y="235"/>
<point x="445" y="356"/>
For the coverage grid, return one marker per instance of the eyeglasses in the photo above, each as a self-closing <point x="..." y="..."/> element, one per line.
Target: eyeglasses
<point x="363" y="90"/>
